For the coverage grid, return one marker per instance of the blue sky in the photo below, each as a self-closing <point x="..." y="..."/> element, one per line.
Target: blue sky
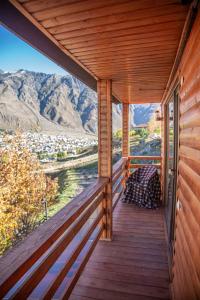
<point x="15" y="54"/>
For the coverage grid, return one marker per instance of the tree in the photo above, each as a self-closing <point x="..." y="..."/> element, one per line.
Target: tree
<point x="143" y="132"/>
<point x="132" y="133"/>
<point x="23" y="186"/>
<point x="118" y="134"/>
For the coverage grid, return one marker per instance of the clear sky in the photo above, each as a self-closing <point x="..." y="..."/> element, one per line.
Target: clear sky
<point x="15" y="54"/>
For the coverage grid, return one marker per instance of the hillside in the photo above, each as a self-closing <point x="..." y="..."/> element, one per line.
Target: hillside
<point x="54" y="103"/>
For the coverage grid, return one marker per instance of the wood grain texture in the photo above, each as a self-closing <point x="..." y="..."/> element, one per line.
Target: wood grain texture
<point x="133" y="43"/>
<point x="186" y="260"/>
<point x="132" y="266"/>
<point x="125" y="130"/>
<point x="104" y="90"/>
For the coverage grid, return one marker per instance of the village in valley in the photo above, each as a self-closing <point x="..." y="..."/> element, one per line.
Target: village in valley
<point x="50" y="147"/>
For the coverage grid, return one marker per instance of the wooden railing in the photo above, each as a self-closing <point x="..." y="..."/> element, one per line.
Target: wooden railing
<point x="120" y="174"/>
<point x="40" y="266"/>
<point x="156" y="161"/>
<point x="48" y="263"/>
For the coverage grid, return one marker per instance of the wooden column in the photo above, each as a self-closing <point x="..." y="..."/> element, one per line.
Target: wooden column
<point x="125" y="130"/>
<point x="104" y="89"/>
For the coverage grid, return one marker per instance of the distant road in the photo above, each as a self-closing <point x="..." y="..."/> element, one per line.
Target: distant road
<point x="59" y="166"/>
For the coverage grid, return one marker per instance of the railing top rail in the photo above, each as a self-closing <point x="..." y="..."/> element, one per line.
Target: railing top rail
<point x="19" y="259"/>
<point x="145" y="157"/>
<point x="135" y="166"/>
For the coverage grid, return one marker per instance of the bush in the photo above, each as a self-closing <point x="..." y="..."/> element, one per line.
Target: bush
<point x="118" y="134"/>
<point x="132" y="133"/>
<point x="61" y="155"/>
<point x="143" y="132"/>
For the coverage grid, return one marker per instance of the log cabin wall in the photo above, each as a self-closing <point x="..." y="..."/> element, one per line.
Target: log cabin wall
<point x="186" y="260"/>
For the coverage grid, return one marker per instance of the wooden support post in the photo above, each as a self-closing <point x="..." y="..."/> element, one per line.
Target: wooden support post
<point x="125" y="130"/>
<point x="125" y="136"/>
<point x="104" y="89"/>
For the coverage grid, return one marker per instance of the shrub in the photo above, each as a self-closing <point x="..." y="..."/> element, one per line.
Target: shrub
<point x="118" y="134"/>
<point x="143" y="132"/>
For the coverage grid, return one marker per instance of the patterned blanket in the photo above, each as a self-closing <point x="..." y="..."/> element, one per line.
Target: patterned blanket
<point x="143" y="188"/>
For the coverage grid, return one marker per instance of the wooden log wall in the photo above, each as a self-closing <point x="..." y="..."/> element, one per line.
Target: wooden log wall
<point x="104" y="90"/>
<point x="186" y="260"/>
<point x="125" y="130"/>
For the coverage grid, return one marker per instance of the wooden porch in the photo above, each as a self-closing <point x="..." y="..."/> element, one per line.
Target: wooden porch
<point x="129" y="52"/>
<point x="134" y="265"/>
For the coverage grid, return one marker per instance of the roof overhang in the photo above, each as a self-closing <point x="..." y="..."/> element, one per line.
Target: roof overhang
<point x="135" y="46"/>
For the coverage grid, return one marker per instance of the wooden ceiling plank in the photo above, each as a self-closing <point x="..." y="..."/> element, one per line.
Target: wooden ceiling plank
<point x="128" y="54"/>
<point x="129" y="51"/>
<point x="68" y="9"/>
<point x="103" y="66"/>
<point x="24" y="1"/>
<point x="117" y="45"/>
<point x="124" y="46"/>
<point x="133" y="74"/>
<point x="118" y="39"/>
<point x="139" y="80"/>
<point x="39" y="5"/>
<point x="162" y="86"/>
<point x="136" y="73"/>
<point x="130" y="30"/>
<point x="129" y="71"/>
<point x="113" y="12"/>
<point x="130" y="67"/>
<point x="122" y="66"/>
<point x="120" y="25"/>
<point x="129" y="59"/>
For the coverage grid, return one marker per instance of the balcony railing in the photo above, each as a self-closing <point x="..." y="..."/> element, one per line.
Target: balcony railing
<point x="153" y="161"/>
<point x="72" y="233"/>
<point x="120" y="174"/>
<point x="50" y="260"/>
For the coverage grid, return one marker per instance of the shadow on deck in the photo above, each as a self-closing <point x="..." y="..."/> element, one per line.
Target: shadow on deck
<point x="134" y="265"/>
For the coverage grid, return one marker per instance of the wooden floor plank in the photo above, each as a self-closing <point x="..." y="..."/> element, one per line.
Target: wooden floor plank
<point x="133" y="265"/>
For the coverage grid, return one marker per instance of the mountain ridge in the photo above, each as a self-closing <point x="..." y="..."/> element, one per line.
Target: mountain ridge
<point x="50" y="102"/>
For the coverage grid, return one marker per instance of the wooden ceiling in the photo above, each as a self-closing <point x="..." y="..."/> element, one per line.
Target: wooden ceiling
<point x="132" y="42"/>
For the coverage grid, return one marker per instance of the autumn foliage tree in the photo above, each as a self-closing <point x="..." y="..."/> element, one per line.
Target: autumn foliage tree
<point x="23" y="187"/>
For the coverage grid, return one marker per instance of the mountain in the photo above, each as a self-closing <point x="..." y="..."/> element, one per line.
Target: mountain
<point x="143" y="112"/>
<point x="54" y="103"/>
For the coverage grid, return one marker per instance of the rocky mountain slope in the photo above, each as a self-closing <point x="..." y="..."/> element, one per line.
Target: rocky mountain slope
<point x="50" y="102"/>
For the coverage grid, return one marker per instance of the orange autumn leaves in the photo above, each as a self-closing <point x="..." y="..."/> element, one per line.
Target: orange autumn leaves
<point x="23" y="187"/>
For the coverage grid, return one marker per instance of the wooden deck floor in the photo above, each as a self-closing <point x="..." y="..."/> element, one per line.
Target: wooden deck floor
<point x="134" y="265"/>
